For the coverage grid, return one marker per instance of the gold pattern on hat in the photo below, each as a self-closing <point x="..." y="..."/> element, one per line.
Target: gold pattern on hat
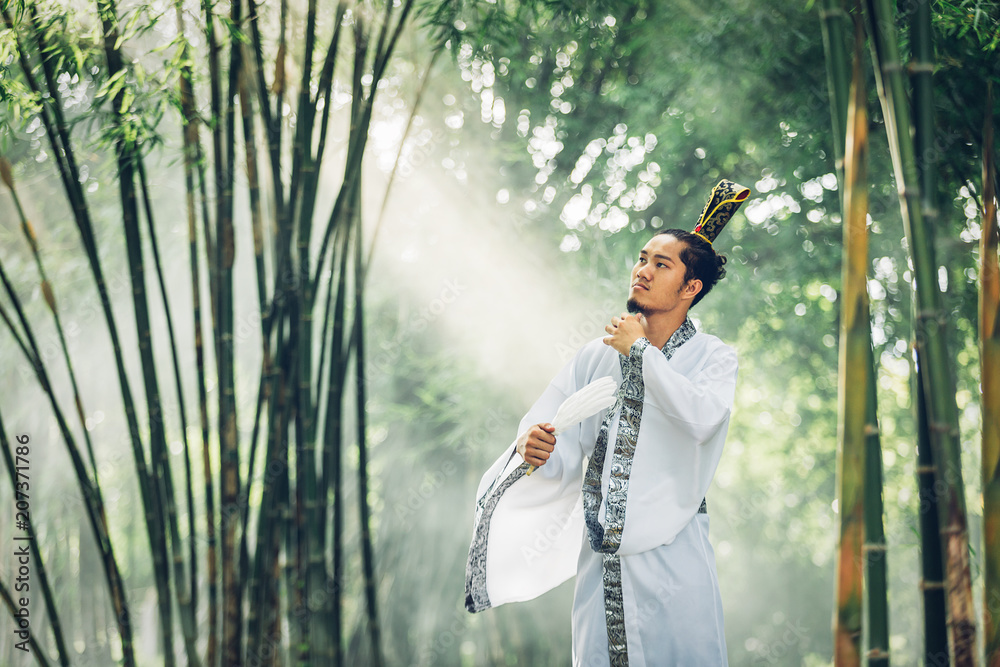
<point x="726" y="198"/>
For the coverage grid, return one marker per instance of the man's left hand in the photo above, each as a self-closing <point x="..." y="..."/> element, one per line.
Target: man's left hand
<point x="624" y="331"/>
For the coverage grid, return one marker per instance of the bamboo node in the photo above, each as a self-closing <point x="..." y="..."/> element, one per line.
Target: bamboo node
<point x="931" y="585"/>
<point x="6" y="173"/>
<point x="50" y="297"/>
<point x="940" y="427"/>
<point x="832" y="13"/>
<point x="877" y="653"/>
<point x="920" y="68"/>
<point x="926" y="470"/>
<point x="874" y="546"/>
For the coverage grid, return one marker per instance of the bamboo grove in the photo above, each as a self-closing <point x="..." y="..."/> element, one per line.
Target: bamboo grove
<point x="258" y="531"/>
<point x="256" y="111"/>
<point x="860" y="620"/>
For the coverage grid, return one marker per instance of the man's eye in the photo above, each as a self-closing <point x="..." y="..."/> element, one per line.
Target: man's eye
<point x="661" y="265"/>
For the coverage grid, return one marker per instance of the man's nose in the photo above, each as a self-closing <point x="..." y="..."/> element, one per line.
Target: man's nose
<point x="645" y="273"/>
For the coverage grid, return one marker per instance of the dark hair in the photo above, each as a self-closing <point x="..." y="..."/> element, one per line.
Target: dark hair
<point x="700" y="261"/>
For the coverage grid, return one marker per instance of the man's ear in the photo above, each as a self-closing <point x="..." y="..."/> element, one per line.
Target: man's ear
<point x="691" y="288"/>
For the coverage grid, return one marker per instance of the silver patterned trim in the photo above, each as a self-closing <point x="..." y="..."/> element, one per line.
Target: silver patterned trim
<point x="607" y="539"/>
<point x="631" y="393"/>
<point x="614" y="611"/>
<point x="476" y="597"/>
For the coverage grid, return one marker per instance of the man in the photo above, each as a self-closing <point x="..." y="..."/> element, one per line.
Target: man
<point x="646" y="589"/>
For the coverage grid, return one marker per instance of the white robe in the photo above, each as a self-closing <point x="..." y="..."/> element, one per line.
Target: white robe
<point x="653" y="586"/>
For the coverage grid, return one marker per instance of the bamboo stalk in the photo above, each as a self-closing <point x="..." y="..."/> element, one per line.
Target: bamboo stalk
<point x="286" y="504"/>
<point x="934" y="599"/>
<point x="855" y="346"/>
<point x="257" y="224"/>
<point x="989" y="373"/>
<point x="50" y="300"/>
<point x="192" y="166"/>
<point x="931" y="345"/>
<point x="309" y="573"/>
<point x="263" y="594"/>
<point x="93" y="504"/>
<point x="838" y="70"/>
<point x="58" y="134"/>
<point x="224" y="136"/>
<point x="161" y="497"/>
<point x="183" y="589"/>
<point x="38" y="562"/>
<point x="876" y="554"/>
<point x="332" y="482"/>
<point x="218" y="167"/>
<point x="36" y="650"/>
<point x="272" y="127"/>
<point x="932" y="584"/>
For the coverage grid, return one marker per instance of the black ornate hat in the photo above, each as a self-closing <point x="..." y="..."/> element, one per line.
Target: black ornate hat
<point x="726" y="198"/>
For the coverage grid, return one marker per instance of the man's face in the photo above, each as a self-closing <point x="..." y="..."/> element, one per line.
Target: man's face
<point x="657" y="283"/>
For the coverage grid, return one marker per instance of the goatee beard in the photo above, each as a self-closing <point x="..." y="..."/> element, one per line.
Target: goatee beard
<point x="633" y="306"/>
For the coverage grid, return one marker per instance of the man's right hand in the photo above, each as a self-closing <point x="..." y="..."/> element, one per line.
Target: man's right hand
<point x="536" y="444"/>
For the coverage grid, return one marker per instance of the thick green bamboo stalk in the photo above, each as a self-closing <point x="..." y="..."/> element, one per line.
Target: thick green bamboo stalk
<point x="218" y="165"/>
<point x="286" y="507"/>
<point x="193" y="166"/>
<point x="224" y="135"/>
<point x="833" y="16"/>
<point x="876" y="554"/>
<point x="838" y="65"/>
<point x="309" y="571"/>
<point x="930" y="324"/>
<point x="855" y="346"/>
<point x="259" y="242"/>
<point x="935" y="601"/>
<point x="989" y="372"/>
<point x="160" y="496"/>
<point x="932" y="586"/>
